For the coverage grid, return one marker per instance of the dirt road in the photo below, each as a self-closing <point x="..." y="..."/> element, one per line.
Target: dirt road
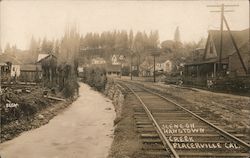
<point x="84" y="130"/>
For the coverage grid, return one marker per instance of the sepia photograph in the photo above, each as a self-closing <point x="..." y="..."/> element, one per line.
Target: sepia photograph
<point x="124" y="79"/>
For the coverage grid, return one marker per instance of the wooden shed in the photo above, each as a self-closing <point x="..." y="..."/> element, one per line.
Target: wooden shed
<point x="30" y="73"/>
<point x="48" y="64"/>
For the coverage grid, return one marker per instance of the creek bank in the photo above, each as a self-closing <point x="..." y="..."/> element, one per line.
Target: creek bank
<point x="31" y="111"/>
<point x="117" y="95"/>
<point x="83" y="130"/>
<point x="15" y="128"/>
<point x="126" y="142"/>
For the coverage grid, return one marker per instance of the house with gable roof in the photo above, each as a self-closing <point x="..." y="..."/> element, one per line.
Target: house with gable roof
<point x="226" y="64"/>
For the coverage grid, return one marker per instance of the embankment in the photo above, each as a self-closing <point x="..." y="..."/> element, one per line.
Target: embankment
<point x="126" y="139"/>
<point x="30" y="111"/>
<point x="115" y="93"/>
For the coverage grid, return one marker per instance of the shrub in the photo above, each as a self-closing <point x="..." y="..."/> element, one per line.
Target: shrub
<point x="95" y="77"/>
<point x="70" y="88"/>
<point x="125" y="71"/>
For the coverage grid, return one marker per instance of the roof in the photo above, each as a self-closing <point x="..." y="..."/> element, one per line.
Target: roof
<point x="44" y="56"/>
<point x="158" y="59"/>
<point x="41" y="56"/>
<point x="119" y="57"/>
<point x="214" y="60"/>
<point x="30" y="67"/>
<point x="99" y="59"/>
<point x="3" y="64"/>
<point x="9" y="58"/>
<point x="241" y="38"/>
<point x="113" y="68"/>
<point x="161" y="59"/>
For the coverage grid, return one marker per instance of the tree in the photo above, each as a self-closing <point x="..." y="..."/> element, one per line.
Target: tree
<point x="121" y="41"/>
<point x="34" y="48"/>
<point x="7" y="48"/>
<point x="167" y="46"/>
<point x="138" y="42"/>
<point x="130" y="39"/>
<point x="202" y="43"/>
<point x="69" y="47"/>
<point x="56" y="48"/>
<point x="47" y="46"/>
<point x="177" y="37"/>
<point x="1" y="51"/>
<point x="153" y="39"/>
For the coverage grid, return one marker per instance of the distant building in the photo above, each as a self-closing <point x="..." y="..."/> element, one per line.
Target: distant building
<point x="97" y="61"/>
<point x="115" y="60"/>
<point x="113" y="70"/>
<point x="162" y="64"/>
<point x="168" y="66"/>
<point x="118" y="59"/>
<point x="5" y="71"/>
<point x="10" y="66"/>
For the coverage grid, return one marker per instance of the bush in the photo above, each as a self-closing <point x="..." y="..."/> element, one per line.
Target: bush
<point x="125" y="71"/>
<point x="70" y="88"/>
<point x="95" y="77"/>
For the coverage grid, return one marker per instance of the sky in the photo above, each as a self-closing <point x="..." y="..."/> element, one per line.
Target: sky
<point x="22" y="19"/>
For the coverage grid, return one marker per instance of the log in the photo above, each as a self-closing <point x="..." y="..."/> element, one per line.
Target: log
<point x="55" y="98"/>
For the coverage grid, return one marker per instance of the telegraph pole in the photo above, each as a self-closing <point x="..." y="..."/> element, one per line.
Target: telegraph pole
<point x="131" y="67"/>
<point x="0" y="80"/>
<point x="222" y="11"/>
<point x="131" y="62"/>
<point x="154" y="54"/>
<point x="154" y="68"/>
<point x="221" y="35"/>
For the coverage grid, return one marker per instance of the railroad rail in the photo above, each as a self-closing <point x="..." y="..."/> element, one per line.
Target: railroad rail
<point x="170" y="130"/>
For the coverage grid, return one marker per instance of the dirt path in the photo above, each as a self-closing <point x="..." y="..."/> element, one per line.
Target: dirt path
<point x="85" y="129"/>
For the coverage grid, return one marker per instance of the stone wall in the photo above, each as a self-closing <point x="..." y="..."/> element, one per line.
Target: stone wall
<point x="115" y="93"/>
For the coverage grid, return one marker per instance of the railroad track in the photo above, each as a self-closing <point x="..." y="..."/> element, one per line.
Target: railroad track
<point x="168" y="129"/>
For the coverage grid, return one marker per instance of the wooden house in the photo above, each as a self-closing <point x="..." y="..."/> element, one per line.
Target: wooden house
<point x="162" y="65"/>
<point x="225" y="64"/>
<point x="98" y="61"/>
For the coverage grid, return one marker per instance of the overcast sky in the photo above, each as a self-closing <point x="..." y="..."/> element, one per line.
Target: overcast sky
<point x="20" y="19"/>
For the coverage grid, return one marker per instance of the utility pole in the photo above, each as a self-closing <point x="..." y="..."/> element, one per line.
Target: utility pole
<point x="131" y="68"/>
<point x="0" y="80"/>
<point x="221" y="35"/>
<point x="222" y="11"/>
<point x="154" y="68"/>
<point x="154" y="54"/>
<point x="131" y="62"/>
